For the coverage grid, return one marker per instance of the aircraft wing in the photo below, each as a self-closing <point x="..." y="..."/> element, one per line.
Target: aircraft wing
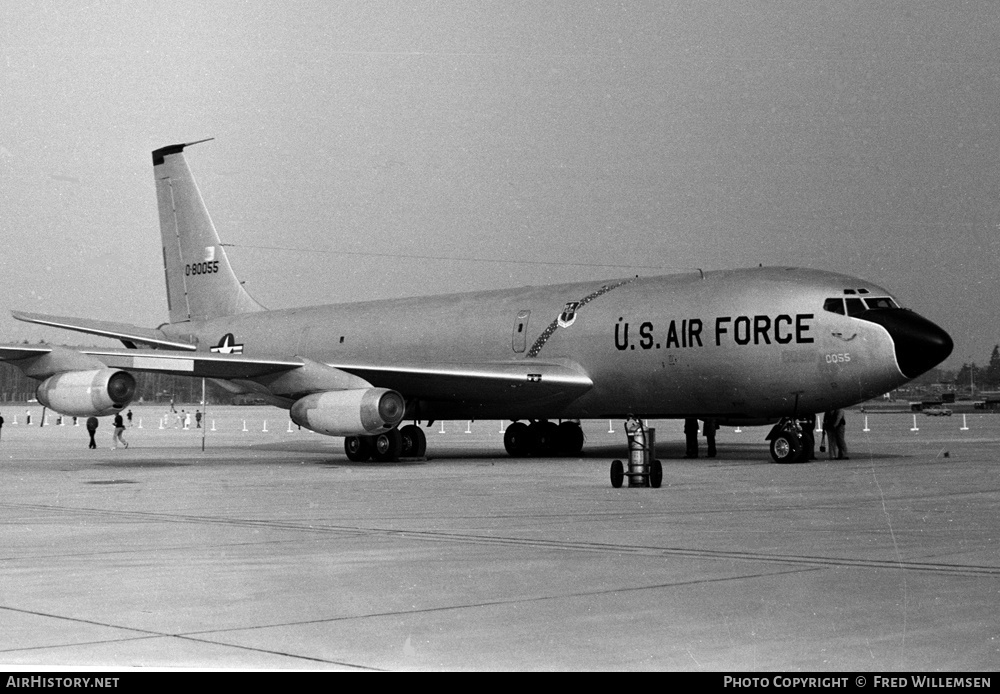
<point x="199" y="365"/>
<point x="515" y="381"/>
<point x="523" y="381"/>
<point x="127" y="333"/>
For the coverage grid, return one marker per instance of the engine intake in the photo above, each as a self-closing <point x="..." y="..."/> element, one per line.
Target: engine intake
<point x="359" y="412"/>
<point x="87" y="393"/>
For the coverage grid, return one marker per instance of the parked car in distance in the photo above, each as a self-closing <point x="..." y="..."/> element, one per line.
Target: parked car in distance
<point x="938" y="411"/>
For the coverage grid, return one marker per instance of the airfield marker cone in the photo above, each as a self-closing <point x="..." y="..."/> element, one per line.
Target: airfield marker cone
<point x="15" y="420"/>
<point x="468" y="427"/>
<point x="914" y="424"/>
<point x="965" y="427"/>
<point x="140" y="423"/>
<point x="866" y="424"/>
<point x="611" y="429"/>
<point x="161" y="422"/>
<point x="265" y="427"/>
<point x="442" y="427"/>
<point x="738" y="430"/>
<point x="213" y="425"/>
<point x="501" y="426"/>
<point x="244" y="425"/>
<point x="289" y="427"/>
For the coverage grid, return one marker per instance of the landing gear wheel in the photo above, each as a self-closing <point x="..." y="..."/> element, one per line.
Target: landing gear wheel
<point x="358" y="448"/>
<point x="786" y="448"/>
<point x="617" y="473"/>
<point x="414" y="441"/>
<point x="544" y="437"/>
<point x="655" y="474"/>
<point x="570" y="438"/>
<point x="516" y="440"/>
<point x="387" y="446"/>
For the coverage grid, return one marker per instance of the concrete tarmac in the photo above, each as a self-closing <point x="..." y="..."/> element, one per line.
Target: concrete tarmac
<point x="271" y="550"/>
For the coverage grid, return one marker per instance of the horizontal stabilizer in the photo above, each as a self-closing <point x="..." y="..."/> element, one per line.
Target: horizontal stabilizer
<point x="130" y="335"/>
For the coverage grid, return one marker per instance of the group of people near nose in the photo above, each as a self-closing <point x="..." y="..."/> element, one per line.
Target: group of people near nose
<point x="833" y="440"/>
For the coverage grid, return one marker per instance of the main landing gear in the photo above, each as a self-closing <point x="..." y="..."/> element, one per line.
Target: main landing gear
<point x="543" y="438"/>
<point x="406" y="442"/>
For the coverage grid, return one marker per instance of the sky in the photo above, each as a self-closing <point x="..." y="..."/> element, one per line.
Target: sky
<point x="385" y="149"/>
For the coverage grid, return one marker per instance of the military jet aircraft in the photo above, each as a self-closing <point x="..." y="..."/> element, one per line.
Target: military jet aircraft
<point x="740" y="346"/>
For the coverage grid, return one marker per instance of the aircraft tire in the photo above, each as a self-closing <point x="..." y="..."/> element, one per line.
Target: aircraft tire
<point x="414" y="441"/>
<point x="358" y="448"/>
<point x="785" y="448"/>
<point x="570" y="438"/>
<point x="386" y="447"/>
<point x="421" y="448"/>
<point x="655" y="474"/>
<point x="617" y="473"/>
<point x="517" y="440"/>
<point x="544" y="437"/>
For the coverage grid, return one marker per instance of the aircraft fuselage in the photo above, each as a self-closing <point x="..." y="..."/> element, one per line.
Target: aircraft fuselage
<point x="753" y="343"/>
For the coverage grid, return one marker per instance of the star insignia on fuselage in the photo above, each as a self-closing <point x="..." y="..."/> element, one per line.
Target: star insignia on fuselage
<point x="227" y="345"/>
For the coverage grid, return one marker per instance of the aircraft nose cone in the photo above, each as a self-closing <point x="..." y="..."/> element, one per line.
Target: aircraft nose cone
<point x="920" y="345"/>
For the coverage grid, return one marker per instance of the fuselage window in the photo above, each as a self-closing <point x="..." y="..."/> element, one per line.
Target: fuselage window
<point x="834" y="306"/>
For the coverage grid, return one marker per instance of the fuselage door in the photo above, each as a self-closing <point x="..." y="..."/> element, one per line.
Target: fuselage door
<point x="520" y="331"/>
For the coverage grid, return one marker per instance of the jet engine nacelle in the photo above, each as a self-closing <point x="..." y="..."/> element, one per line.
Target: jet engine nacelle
<point x="87" y="393"/>
<point x="358" y="412"/>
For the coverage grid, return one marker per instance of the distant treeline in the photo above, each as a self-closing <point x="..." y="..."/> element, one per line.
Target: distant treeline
<point x="151" y="387"/>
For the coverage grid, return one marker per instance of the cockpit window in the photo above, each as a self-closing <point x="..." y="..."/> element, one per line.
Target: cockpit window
<point x="834" y="306"/>
<point x="880" y="302"/>
<point x="855" y="306"/>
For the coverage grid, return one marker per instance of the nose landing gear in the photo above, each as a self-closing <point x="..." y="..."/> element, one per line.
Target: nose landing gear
<point x="787" y="445"/>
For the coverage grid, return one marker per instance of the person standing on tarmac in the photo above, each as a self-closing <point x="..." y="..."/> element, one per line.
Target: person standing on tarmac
<point x="709" y="429"/>
<point x="92" y="423"/>
<point x="833" y="426"/>
<point x="839" y="429"/>
<point x="808" y="424"/>
<point x="1" y="424"/>
<point x="119" y="430"/>
<point x="691" y="436"/>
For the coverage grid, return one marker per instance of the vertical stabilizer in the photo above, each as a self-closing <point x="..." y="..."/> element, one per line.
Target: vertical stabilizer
<point x="200" y="282"/>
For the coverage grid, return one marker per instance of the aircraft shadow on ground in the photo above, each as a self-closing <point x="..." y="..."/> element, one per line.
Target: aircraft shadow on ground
<point x="323" y="453"/>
